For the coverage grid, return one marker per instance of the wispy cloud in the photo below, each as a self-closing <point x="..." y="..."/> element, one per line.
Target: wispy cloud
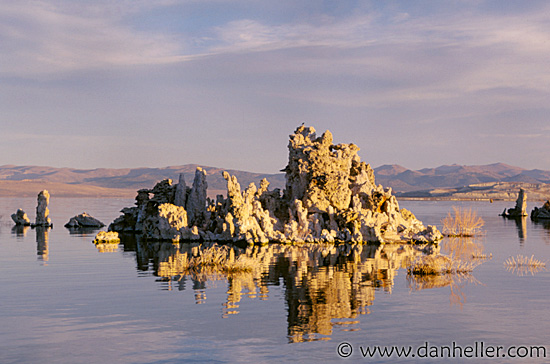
<point x="40" y="37"/>
<point x="511" y="136"/>
<point x="233" y="65"/>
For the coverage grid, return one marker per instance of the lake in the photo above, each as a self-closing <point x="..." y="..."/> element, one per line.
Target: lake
<point x="65" y="300"/>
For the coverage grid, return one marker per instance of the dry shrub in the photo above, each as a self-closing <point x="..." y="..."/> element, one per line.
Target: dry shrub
<point x="464" y="222"/>
<point x="440" y="264"/>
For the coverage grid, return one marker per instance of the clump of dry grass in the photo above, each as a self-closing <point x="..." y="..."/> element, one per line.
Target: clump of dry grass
<point x="462" y="223"/>
<point x="440" y="264"/>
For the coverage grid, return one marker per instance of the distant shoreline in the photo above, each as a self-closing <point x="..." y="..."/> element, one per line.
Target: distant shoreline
<point x="24" y="189"/>
<point x="459" y="199"/>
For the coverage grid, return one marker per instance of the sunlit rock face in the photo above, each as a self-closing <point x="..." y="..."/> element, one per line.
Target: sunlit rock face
<point x="521" y="206"/>
<point x="330" y="196"/>
<point x="318" y="172"/>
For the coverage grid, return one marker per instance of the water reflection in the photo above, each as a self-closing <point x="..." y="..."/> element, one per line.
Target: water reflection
<point x="523" y="270"/>
<point x="82" y="231"/>
<point x="42" y="242"/>
<point x="469" y="250"/>
<point x="20" y="230"/>
<point x="107" y="247"/>
<point x="521" y="225"/>
<point x="325" y="285"/>
<point x="545" y="224"/>
<point x="464" y="248"/>
<point x="455" y="282"/>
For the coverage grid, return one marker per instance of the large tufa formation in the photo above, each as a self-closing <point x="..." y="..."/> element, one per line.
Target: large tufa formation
<point x="167" y="214"/>
<point x="330" y="196"/>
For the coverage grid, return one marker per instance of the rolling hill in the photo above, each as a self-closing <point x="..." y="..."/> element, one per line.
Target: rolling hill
<point x="23" y="181"/>
<point x="406" y="180"/>
<point x="441" y="182"/>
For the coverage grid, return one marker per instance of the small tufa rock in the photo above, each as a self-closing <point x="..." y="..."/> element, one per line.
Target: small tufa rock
<point x="20" y="218"/>
<point x="520" y="209"/>
<point x="104" y="237"/>
<point x="542" y="212"/>
<point x="84" y="221"/>
<point x="42" y="211"/>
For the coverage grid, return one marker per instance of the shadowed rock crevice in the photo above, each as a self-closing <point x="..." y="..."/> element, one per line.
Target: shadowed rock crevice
<point x="330" y="195"/>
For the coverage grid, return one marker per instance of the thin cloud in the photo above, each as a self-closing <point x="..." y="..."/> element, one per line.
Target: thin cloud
<point x="144" y="67"/>
<point x="40" y="38"/>
<point x="513" y="136"/>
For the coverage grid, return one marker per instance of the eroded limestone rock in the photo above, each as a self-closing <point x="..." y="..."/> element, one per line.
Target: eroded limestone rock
<point x="84" y="220"/>
<point x="42" y="211"/>
<point x="520" y="209"/>
<point x="181" y="192"/>
<point x="541" y="212"/>
<point x="330" y="196"/>
<point x="20" y="218"/>
<point x="166" y="223"/>
<point x="196" y="203"/>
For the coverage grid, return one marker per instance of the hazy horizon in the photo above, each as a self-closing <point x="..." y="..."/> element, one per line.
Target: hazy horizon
<point x="117" y="84"/>
<point x="259" y="172"/>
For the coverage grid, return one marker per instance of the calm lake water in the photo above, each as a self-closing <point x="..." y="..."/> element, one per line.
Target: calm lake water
<point x="66" y="301"/>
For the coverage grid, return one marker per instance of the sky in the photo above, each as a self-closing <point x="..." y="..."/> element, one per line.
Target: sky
<point x="154" y="83"/>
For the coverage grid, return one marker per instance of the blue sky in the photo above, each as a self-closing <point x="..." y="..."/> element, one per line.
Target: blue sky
<point x="121" y="83"/>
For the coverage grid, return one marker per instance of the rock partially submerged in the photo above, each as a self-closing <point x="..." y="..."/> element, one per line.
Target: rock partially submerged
<point x="84" y="221"/>
<point x="107" y="237"/>
<point x="330" y="195"/>
<point x="20" y="218"/>
<point x="42" y="211"/>
<point x="520" y="209"/>
<point x="541" y="212"/>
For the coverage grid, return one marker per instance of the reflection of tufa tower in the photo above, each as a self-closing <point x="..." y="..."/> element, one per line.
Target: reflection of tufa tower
<point x="42" y="242"/>
<point x="326" y="286"/>
<point x="20" y="230"/>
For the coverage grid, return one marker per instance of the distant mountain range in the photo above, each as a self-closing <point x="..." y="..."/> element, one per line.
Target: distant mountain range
<point x="26" y="181"/>
<point x="69" y="182"/>
<point x="402" y="179"/>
